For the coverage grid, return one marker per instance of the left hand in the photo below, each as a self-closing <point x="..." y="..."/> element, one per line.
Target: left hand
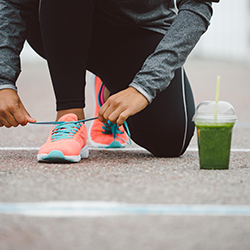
<point x="121" y="105"/>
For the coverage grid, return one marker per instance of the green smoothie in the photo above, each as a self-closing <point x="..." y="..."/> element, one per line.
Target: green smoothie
<point x="214" y="142"/>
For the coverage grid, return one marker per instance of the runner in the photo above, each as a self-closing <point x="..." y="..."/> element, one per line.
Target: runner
<point x="137" y="49"/>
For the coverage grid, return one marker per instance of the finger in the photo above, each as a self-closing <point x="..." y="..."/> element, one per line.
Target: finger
<point x="5" y="123"/>
<point x="101" y="118"/>
<point x="26" y="119"/>
<point x="28" y="116"/>
<point x="113" y="112"/>
<point x="30" y="119"/>
<point x="16" y="118"/>
<point x="123" y="117"/>
<point x="114" y="116"/>
<point x="23" y="117"/>
<point x="3" y="119"/>
<point x="8" y="116"/>
<point x="113" y="107"/>
<point x="107" y="114"/>
<point x="10" y="120"/>
<point x="102" y="111"/>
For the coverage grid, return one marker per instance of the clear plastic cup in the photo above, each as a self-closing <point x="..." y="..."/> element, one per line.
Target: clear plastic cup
<point x="214" y="133"/>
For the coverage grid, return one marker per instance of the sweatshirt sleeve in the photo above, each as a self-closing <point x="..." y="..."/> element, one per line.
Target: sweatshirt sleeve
<point x="14" y="15"/>
<point x="191" y="22"/>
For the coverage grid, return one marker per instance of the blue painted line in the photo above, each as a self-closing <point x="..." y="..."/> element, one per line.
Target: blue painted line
<point x="71" y="209"/>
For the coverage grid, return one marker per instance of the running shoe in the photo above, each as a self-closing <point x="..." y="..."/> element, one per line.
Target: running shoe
<point x="67" y="142"/>
<point x="103" y="135"/>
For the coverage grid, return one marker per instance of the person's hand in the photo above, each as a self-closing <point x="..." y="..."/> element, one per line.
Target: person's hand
<point x="121" y="105"/>
<point x="12" y="111"/>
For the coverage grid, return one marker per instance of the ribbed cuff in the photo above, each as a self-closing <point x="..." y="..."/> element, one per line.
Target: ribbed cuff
<point x="142" y="91"/>
<point x="8" y="86"/>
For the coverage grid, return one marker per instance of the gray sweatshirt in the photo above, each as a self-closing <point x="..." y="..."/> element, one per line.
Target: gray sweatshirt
<point x="182" y="22"/>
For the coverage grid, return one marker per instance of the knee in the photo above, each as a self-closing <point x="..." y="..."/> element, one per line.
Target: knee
<point x="173" y="144"/>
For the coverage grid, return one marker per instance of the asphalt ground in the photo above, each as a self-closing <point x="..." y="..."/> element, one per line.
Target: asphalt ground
<point x="125" y="199"/>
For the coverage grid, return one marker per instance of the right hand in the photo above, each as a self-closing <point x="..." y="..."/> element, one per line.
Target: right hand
<point x="12" y="111"/>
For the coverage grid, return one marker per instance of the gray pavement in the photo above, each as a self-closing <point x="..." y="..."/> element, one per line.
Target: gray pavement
<point x="130" y="177"/>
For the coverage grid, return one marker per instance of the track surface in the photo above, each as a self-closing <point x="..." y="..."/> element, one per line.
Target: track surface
<point x="125" y="199"/>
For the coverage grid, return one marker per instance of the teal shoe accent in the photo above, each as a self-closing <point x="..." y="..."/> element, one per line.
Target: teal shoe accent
<point x="112" y="128"/>
<point x="115" y="144"/>
<point x="65" y="131"/>
<point x="56" y="156"/>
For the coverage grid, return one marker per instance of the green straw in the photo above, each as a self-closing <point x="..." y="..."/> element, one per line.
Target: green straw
<point x="217" y="97"/>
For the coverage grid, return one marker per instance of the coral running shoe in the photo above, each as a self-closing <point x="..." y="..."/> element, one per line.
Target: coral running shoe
<point x="103" y="135"/>
<point x="67" y="142"/>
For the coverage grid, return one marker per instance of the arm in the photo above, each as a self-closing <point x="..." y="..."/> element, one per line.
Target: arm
<point x="158" y="70"/>
<point x="189" y="25"/>
<point x="14" y="15"/>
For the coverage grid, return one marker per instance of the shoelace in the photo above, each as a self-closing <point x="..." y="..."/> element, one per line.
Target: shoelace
<point x="61" y="122"/>
<point x="64" y="126"/>
<point x="65" y="131"/>
<point x="112" y="128"/>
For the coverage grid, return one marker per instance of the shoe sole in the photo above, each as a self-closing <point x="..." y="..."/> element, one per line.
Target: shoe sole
<point x="56" y="156"/>
<point x="114" y="144"/>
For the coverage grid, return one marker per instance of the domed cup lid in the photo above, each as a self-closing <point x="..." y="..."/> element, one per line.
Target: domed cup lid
<point x="205" y="113"/>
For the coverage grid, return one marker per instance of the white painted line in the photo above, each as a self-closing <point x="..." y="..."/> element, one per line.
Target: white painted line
<point x="19" y="148"/>
<point x="232" y="150"/>
<point x="99" y="208"/>
<point x="191" y="149"/>
<point x="117" y="149"/>
<point x="242" y="124"/>
<point x="90" y="148"/>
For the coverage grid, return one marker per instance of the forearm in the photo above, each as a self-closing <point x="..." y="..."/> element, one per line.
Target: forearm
<point x="158" y="70"/>
<point x="14" y="15"/>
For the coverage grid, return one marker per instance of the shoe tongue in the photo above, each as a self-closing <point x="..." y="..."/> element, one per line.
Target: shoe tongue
<point x="68" y="118"/>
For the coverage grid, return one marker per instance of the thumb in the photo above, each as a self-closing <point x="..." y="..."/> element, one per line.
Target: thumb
<point x="30" y="119"/>
<point x="27" y="116"/>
